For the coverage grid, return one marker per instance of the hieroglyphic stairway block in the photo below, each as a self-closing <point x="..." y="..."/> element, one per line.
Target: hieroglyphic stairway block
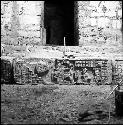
<point x="118" y="72"/>
<point x="24" y="70"/>
<point x="87" y="71"/>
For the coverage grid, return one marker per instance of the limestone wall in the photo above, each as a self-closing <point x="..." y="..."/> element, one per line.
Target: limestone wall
<point x="22" y="22"/>
<point x="98" y="23"/>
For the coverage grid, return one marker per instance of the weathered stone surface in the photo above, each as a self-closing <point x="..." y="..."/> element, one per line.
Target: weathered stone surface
<point x="21" y="15"/>
<point x="91" y="18"/>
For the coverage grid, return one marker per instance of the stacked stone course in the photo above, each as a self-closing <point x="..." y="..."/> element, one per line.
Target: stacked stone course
<point x="22" y="20"/>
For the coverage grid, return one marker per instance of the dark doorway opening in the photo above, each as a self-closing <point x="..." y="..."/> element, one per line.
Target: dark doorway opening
<point x="59" y="22"/>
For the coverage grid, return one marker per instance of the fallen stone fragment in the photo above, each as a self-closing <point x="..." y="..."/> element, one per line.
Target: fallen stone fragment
<point x="65" y="119"/>
<point x="95" y="121"/>
<point x="84" y="115"/>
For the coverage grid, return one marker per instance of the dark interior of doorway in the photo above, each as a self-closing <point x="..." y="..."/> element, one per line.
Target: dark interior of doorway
<point x="59" y="22"/>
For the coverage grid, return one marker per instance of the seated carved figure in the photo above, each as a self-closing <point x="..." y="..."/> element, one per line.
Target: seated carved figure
<point x="88" y="75"/>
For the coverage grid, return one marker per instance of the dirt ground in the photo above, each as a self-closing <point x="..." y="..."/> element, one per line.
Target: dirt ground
<point x="57" y="104"/>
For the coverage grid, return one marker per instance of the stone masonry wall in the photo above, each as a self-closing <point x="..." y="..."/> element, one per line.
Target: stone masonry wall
<point x="100" y="27"/>
<point x="22" y="22"/>
<point x="99" y="24"/>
